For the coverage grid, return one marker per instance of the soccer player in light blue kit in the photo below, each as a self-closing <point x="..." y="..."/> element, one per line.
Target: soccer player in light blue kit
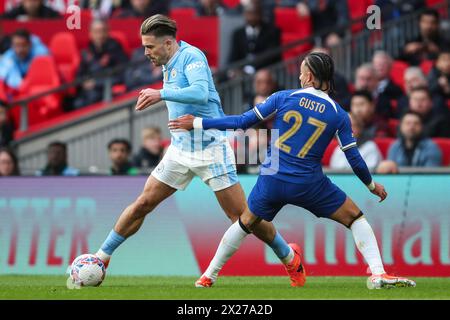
<point x="188" y="88"/>
<point x="307" y="120"/>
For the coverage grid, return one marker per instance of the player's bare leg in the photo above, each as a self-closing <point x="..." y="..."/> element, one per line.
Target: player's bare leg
<point x="133" y="216"/>
<point x="351" y="216"/>
<point x="232" y="202"/>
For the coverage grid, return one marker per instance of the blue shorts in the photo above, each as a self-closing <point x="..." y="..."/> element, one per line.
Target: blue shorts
<point x="270" y="194"/>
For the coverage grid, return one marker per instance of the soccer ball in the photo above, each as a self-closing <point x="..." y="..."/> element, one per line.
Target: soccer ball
<point x="86" y="270"/>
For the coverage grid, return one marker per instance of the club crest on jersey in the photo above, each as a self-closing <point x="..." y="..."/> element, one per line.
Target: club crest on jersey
<point x="173" y="73"/>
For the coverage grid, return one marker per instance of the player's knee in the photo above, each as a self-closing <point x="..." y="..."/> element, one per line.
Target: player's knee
<point x="352" y="217"/>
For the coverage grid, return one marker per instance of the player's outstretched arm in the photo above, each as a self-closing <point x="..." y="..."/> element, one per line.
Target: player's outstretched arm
<point x="188" y="122"/>
<point x="360" y="168"/>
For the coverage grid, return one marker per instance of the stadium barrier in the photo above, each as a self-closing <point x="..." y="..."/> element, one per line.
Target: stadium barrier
<point x="46" y="222"/>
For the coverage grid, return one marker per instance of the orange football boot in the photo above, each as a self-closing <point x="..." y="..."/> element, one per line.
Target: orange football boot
<point x="204" y="282"/>
<point x="295" y="269"/>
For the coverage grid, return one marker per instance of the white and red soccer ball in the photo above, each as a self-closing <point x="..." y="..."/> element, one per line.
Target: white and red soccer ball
<point x="87" y="270"/>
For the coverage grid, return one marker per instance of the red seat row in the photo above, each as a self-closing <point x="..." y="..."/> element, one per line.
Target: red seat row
<point x="384" y="145"/>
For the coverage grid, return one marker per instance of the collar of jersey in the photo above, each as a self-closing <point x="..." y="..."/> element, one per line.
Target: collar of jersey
<point x="182" y="45"/>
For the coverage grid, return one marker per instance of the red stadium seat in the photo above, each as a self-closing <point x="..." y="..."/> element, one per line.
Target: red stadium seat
<point x="231" y="3"/>
<point x="293" y="28"/>
<point x="443" y="6"/>
<point x="444" y="145"/>
<point x="426" y="66"/>
<point x="393" y="126"/>
<point x="42" y="76"/>
<point x="329" y="152"/>
<point x="182" y="13"/>
<point x="384" y="144"/>
<point x="64" y="49"/>
<point x="398" y="73"/>
<point x="357" y="9"/>
<point x="121" y="37"/>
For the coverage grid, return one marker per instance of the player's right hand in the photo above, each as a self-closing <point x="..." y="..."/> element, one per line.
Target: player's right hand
<point x="379" y="191"/>
<point x="185" y="122"/>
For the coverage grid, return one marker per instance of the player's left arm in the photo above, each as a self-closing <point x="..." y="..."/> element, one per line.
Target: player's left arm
<point x="258" y="113"/>
<point x="348" y="145"/>
<point x="196" y="72"/>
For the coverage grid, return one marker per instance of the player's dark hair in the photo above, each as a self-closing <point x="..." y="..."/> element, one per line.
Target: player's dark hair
<point x="58" y="144"/>
<point x="322" y="67"/>
<point x="429" y="12"/>
<point x="363" y="93"/>
<point x="125" y="142"/>
<point x="421" y="88"/>
<point x="22" y="33"/>
<point x="159" y="25"/>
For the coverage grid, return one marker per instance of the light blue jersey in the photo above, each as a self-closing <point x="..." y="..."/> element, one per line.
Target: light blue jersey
<point x="189" y="89"/>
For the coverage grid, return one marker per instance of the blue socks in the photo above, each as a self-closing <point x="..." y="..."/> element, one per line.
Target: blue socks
<point x="280" y="246"/>
<point x="112" y="242"/>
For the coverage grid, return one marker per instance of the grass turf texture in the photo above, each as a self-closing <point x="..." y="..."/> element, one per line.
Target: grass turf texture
<point x="115" y="287"/>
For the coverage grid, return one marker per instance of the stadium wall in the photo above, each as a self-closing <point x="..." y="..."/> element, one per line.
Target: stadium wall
<point x="46" y="222"/>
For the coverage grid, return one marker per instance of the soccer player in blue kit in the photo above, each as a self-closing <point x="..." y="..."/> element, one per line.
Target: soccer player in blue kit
<point x="307" y="120"/>
<point x="188" y="88"/>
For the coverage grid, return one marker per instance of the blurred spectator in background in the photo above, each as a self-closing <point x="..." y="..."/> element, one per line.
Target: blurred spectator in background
<point x="9" y="166"/>
<point x="142" y="8"/>
<point x="439" y="76"/>
<point x="386" y="88"/>
<point x="16" y="61"/>
<point x="366" y="79"/>
<point x="143" y="72"/>
<point x="362" y="109"/>
<point x="368" y="149"/>
<point x="253" y="39"/>
<point x="435" y="122"/>
<point x="394" y="9"/>
<point x="412" y="148"/>
<point x="102" y="53"/>
<point x="341" y="92"/>
<point x="5" y="40"/>
<point x="429" y="42"/>
<point x="264" y="84"/>
<point x="325" y="14"/>
<point x="210" y="8"/>
<point x="415" y="78"/>
<point x="6" y="127"/>
<point x="119" y="153"/>
<point x="151" y="150"/>
<point x="267" y="8"/>
<point x="31" y="9"/>
<point x="57" y="164"/>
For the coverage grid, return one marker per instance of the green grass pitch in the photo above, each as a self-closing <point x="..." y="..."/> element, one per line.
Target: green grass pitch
<point x="115" y="287"/>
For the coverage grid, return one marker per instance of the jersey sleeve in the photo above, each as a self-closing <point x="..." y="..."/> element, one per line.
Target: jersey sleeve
<point x="259" y="113"/>
<point x="268" y="107"/>
<point x="347" y="143"/>
<point x="344" y="133"/>
<point x="196" y="71"/>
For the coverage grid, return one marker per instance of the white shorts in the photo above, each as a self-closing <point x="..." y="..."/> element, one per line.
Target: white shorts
<point x="215" y="166"/>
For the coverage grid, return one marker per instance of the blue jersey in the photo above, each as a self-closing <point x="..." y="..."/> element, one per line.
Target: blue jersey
<point x="307" y="120"/>
<point x="189" y="89"/>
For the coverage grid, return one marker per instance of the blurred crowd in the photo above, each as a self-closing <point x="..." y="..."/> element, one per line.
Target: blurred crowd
<point x="412" y="114"/>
